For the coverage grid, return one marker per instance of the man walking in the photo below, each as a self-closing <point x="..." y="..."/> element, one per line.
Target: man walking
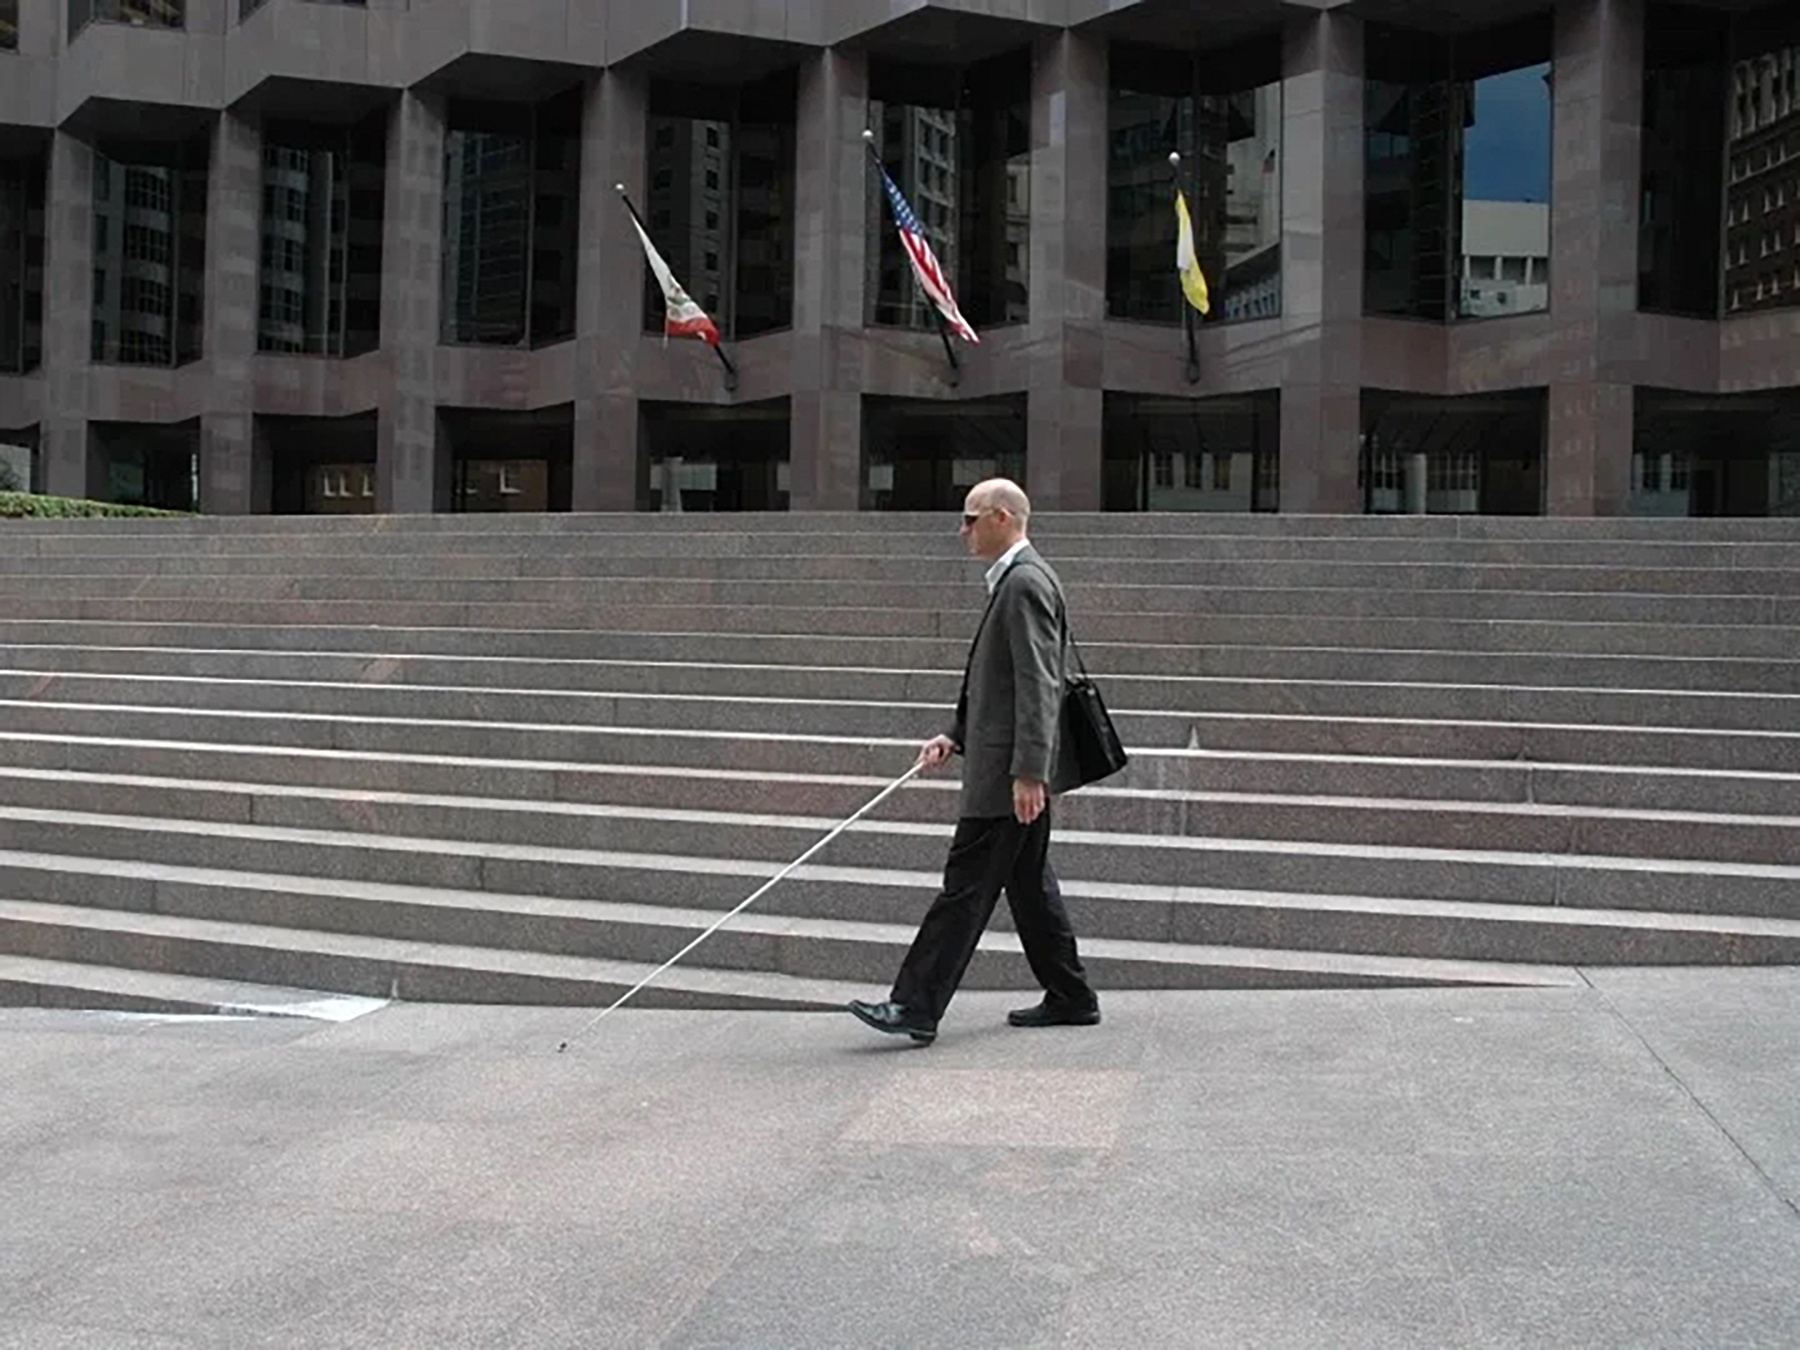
<point x="1006" y="729"/>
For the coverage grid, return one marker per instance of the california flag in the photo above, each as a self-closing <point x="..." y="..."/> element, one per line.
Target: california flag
<point x="681" y="316"/>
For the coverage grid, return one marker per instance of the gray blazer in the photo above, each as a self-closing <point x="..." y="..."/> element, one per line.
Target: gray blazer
<point x="1008" y="725"/>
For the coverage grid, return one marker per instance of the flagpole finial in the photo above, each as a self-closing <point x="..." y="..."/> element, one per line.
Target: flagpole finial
<point x="868" y="136"/>
<point x="619" y="188"/>
<point x="1174" y="159"/>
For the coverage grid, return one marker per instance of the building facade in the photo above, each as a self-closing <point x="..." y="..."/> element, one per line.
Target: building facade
<point x="1528" y="256"/>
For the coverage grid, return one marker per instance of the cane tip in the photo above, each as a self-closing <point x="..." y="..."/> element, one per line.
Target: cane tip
<point x="868" y="135"/>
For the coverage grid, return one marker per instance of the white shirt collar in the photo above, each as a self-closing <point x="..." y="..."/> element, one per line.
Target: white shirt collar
<point x="1003" y="562"/>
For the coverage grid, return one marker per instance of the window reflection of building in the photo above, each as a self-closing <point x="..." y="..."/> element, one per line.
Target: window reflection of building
<point x="1457" y="135"/>
<point x="248" y="7"/>
<point x="1762" y="237"/>
<point x="149" y="255"/>
<point x="1506" y="258"/>
<point x="9" y="25"/>
<point x="1222" y="113"/>
<point x="957" y="143"/>
<point x="720" y="202"/>
<point x="511" y="208"/>
<point x="21" y="264"/>
<point x="138" y="13"/>
<point x="320" y="282"/>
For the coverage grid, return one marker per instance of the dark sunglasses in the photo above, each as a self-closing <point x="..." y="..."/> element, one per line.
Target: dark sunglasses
<point x="971" y="519"/>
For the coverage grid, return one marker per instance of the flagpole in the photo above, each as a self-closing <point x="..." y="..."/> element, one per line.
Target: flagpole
<point x="1187" y="310"/>
<point x="731" y="373"/>
<point x="943" y="328"/>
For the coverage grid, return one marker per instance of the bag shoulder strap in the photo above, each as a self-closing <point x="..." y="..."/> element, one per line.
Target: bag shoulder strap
<point x="1062" y="610"/>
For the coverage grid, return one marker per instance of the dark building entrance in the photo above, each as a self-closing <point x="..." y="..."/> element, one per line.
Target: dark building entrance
<point x="706" y="458"/>
<point x="1476" y="454"/>
<point x="923" y="455"/>
<point x="1716" y="454"/>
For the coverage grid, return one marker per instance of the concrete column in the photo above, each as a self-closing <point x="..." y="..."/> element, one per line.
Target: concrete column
<point x="608" y="319"/>
<point x="1598" y="81"/>
<point x="411" y="462"/>
<point x="1067" y="273"/>
<point x="229" y="480"/>
<point x="68" y="317"/>
<point x="830" y="252"/>
<point x="1322" y="262"/>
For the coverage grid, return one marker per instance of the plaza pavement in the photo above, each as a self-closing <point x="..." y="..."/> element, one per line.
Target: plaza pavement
<point x="1616" y="1163"/>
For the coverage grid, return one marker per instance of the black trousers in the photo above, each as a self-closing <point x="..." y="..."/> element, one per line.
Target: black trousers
<point x="987" y="856"/>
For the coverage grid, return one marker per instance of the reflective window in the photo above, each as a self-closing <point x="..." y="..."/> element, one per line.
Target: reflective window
<point x="9" y="25"/>
<point x="697" y="458"/>
<point x="21" y="265"/>
<point x="19" y="459"/>
<point x="1683" y="184"/>
<point x="149" y="247"/>
<point x="1222" y="113"/>
<point x="1762" y="153"/>
<point x="1477" y="454"/>
<point x="1457" y="169"/>
<point x="957" y="142"/>
<point x="512" y="176"/>
<point x="1716" y="454"/>
<point x="248" y="7"/>
<point x="320" y="284"/>
<point x="721" y="201"/>
<point x="140" y="13"/>
<point x="925" y="455"/>
<point x="1192" y="454"/>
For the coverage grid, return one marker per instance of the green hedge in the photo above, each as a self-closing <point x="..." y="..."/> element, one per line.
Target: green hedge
<point x="26" y="505"/>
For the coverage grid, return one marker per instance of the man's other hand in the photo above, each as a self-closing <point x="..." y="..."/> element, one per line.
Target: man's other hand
<point x="1029" y="799"/>
<point x="936" y="750"/>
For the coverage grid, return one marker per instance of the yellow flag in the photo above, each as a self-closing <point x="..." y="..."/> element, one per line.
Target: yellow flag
<point x="1187" y="260"/>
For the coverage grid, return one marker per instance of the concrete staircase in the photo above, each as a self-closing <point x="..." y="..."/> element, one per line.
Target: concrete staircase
<point x="525" y="759"/>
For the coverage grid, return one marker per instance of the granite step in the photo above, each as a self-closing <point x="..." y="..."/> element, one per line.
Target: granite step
<point x="1773" y="639"/>
<point x="648" y="782"/>
<point x="374" y="689"/>
<point x="1227" y="572"/>
<point x="831" y="907"/>
<point x="380" y="967"/>
<point x="383" y="968"/>
<point x="774" y="823"/>
<point x="913" y="599"/>
<point x="27" y="982"/>
<point x="880" y="738"/>
<point x="565" y="658"/>
<point x="645" y="868"/>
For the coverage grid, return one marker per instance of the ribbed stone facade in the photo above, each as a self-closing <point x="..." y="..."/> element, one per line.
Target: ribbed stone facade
<point x="233" y="67"/>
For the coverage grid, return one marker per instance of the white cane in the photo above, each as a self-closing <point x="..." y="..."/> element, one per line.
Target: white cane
<point x="760" y="891"/>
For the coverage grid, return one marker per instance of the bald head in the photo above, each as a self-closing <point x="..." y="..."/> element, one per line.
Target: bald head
<point x="994" y="517"/>
<point x="1003" y="494"/>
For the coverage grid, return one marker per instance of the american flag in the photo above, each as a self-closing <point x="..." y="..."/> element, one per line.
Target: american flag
<point x="924" y="262"/>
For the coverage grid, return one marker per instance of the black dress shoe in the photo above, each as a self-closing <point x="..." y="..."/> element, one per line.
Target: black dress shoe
<point x="1051" y="1014"/>
<point x="895" y="1020"/>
